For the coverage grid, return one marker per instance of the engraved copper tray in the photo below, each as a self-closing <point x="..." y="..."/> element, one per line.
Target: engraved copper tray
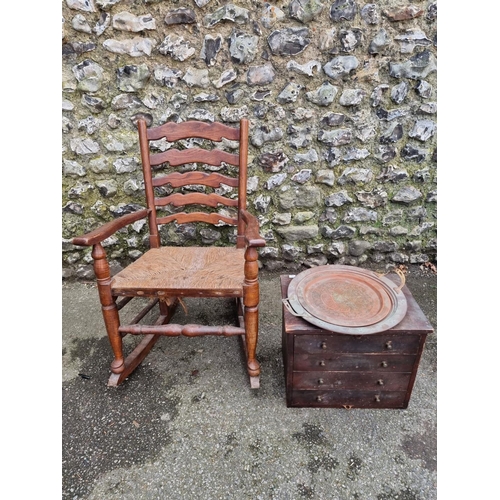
<point x="346" y="299"/>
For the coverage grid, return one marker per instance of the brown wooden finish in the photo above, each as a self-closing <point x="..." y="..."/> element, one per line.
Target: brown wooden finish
<point x="387" y="343"/>
<point x="242" y="200"/>
<point x="348" y="399"/>
<point x="106" y="230"/>
<point x="176" y="131"/>
<point x="165" y="274"/>
<point x="209" y="200"/>
<point x="154" y="235"/>
<point x="176" y="179"/>
<point x="175" y="157"/>
<point x="173" y="330"/>
<point x="334" y="361"/>
<point x="324" y="369"/>
<point x="348" y="380"/>
<point x="182" y="218"/>
<point x="251" y="234"/>
<point x="135" y="358"/>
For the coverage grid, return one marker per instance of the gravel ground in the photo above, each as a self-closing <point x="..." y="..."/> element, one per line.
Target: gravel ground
<point x="186" y="425"/>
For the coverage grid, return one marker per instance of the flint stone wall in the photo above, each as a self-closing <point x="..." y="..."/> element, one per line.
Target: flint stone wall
<point x="341" y="98"/>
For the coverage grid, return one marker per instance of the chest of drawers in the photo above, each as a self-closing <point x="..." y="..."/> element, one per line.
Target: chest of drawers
<point x="334" y="370"/>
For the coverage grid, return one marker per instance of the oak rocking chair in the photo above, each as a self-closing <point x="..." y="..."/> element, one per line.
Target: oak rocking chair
<point x="167" y="274"/>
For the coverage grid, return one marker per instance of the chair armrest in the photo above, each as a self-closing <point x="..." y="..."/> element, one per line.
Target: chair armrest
<point x="252" y="235"/>
<point x="106" y="230"/>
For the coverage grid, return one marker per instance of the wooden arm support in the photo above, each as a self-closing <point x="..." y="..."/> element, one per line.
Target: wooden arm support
<point x="106" y="230"/>
<point x="252" y="235"/>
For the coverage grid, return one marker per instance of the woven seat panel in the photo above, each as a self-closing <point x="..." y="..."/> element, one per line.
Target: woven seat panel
<point x="184" y="271"/>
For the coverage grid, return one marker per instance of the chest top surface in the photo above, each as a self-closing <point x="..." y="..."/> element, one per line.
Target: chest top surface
<point x="413" y="322"/>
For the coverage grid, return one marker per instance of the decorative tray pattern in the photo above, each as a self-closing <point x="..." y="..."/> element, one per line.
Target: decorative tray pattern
<point x="346" y="299"/>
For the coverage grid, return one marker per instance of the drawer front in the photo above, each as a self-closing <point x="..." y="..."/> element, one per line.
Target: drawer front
<point x="335" y="343"/>
<point x="354" y="362"/>
<point x="347" y="399"/>
<point x="351" y="380"/>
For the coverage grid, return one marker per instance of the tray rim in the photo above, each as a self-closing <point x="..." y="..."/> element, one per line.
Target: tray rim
<point x="395" y="316"/>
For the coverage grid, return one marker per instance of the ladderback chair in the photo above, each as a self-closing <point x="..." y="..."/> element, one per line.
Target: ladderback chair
<point x="167" y="274"/>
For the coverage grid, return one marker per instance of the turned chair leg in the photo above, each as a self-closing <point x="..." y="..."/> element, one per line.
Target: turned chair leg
<point x="108" y="305"/>
<point x="251" y="312"/>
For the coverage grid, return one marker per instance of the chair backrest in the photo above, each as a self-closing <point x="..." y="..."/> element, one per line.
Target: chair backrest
<point x="173" y="132"/>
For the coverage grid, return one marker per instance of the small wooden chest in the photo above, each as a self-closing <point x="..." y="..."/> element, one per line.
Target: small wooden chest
<point x="335" y="370"/>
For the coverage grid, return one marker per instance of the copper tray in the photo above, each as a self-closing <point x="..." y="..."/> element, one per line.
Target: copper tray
<point x="346" y="299"/>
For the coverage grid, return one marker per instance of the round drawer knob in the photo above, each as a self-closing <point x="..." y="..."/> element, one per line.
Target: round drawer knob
<point x="321" y="381"/>
<point x="323" y="345"/>
<point x="319" y="398"/>
<point x="377" y="399"/>
<point x="384" y="364"/>
<point x="388" y="344"/>
<point x="321" y="363"/>
<point x="380" y="381"/>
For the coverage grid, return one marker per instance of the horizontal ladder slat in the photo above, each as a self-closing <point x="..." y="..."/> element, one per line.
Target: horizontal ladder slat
<point x="176" y="179"/>
<point x="177" y="157"/>
<point x="183" y="217"/>
<point x="210" y="200"/>
<point x="176" y="131"/>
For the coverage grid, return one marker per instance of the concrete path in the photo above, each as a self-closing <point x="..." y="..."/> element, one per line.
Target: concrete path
<point x="187" y="426"/>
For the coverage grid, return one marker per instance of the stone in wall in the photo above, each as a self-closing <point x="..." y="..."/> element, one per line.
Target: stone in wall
<point x="211" y="47"/>
<point x="89" y="75"/>
<point x="323" y="95"/>
<point x="242" y="47"/>
<point x="423" y="130"/>
<point x="106" y="4"/>
<point x="273" y="162"/>
<point x="80" y="23"/>
<point x="270" y="15"/>
<point x="180" y="16"/>
<point x="226" y="77"/>
<point x="411" y="39"/>
<point x="263" y="134"/>
<point x="370" y="13"/>
<point x="337" y="137"/>
<point x="298" y="233"/>
<point x="417" y="67"/>
<point x="260" y="75"/>
<point x="125" y="21"/>
<point x="299" y="137"/>
<point x="301" y="197"/>
<point x="309" y="68"/>
<point x="102" y="24"/>
<point x="350" y="39"/>
<point x="288" y="41"/>
<point x="167" y="76"/>
<point x="289" y="94"/>
<point x="196" y="77"/>
<point x="405" y="13"/>
<point x="351" y="97"/>
<point x="379" y="42"/>
<point x="305" y="10"/>
<point x="83" y="5"/>
<point x="134" y="47"/>
<point x="133" y="77"/>
<point x="407" y="194"/>
<point x="354" y="175"/>
<point x="228" y="12"/>
<point x="343" y="10"/>
<point x="177" y="48"/>
<point x="338" y="199"/>
<point x="341" y="99"/>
